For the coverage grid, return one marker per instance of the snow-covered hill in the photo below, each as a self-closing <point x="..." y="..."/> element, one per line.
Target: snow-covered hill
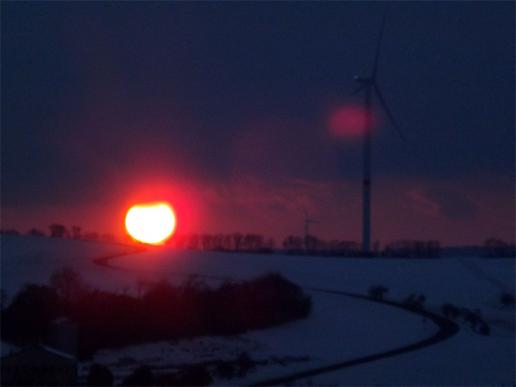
<point x="27" y="259"/>
<point x="339" y="329"/>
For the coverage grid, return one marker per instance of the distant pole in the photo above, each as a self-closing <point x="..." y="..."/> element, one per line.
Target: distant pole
<point x="366" y="182"/>
<point x="306" y="234"/>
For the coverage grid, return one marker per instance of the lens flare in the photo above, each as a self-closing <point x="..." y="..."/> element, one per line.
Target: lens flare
<point x="351" y="121"/>
<point x="151" y="223"/>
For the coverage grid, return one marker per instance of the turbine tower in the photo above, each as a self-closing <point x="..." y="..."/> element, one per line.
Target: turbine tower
<point x="370" y="87"/>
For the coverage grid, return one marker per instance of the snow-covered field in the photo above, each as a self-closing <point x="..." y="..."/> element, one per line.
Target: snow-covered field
<point x="34" y="259"/>
<point x="339" y="329"/>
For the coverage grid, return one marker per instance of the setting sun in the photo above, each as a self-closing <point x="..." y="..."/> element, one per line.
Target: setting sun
<point x="151" y="223"/>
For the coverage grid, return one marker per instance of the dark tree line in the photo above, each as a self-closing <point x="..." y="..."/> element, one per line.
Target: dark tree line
<point x="413" y="248"/>
<point x="225" y="242"/>
<point x="161" y="312"/>
<point x="292" y="244"/>
<point x="57" y="230"/>
<point x="494" y="247"/>
<point x="9" y="231"/>
<point x="313" y="245"/>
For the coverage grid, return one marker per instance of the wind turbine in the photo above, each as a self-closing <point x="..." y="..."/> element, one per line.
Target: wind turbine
<point x="370" y="87"/>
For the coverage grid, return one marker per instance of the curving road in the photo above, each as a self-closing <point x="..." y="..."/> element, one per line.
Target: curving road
<point x="446" y="327"/>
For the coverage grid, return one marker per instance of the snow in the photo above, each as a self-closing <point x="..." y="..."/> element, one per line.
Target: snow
<point x="329" y="335"/>
<point x="33" y="260"/>
<point x="464" y="360"/>
<point x="339" y="329"/>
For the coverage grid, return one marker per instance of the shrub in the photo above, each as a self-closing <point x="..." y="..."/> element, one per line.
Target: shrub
<point x="507" y="299"/>
<point x="28" y="318"/>
<point x="191" y="375"/>
<point x="484" y="329"/>
<point x="12" y="232"/>
<point x="35" y="232"/>
<point x="3" y="299"/>
<point x="472" y="318"/>
<point x="58" y="230"/>
<point x="450" y="311"/>
<point x="162" y="312"/>
<point x="225" y="370"/>
<point x="99" y="375"/>
<point x="141" y="376"/>
<point x="244" y="364"/>
<point x="414" y="302"/>
<point x="68" y="283"/>
<point x="377" y="292"/>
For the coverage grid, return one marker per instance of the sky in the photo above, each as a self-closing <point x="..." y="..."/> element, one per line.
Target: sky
<point x="223" y="109"/>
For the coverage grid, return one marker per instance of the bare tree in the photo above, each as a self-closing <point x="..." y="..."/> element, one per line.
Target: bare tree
<point x="76" y="232"/>
<point x="237" y="240"/>
<point x="35" y="232"/>
<point x="67" y="282"/>
<point x="57" y="230"/>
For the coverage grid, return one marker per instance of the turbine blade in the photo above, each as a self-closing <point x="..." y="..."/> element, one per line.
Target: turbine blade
<point x="379" y="45"/>
<point x="388" y="112"/>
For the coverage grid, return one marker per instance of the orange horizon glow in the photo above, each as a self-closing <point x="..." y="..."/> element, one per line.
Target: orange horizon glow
<point x="151" y="223"/>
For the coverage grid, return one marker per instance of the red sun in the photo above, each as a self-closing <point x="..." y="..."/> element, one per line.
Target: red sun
<point x="151" y="223"/>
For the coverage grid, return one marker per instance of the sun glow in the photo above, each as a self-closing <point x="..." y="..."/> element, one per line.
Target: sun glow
<point x="151" y="223"/>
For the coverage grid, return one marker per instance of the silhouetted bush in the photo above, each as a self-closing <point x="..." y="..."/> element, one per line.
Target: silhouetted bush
<point x="76" y="232"/>
<point x="235" y="368"/>
<point x="99" y="375"/>
<point x="450" y="311"/>
<point x="4" y="299"/>
<point x="35" y="232"/>
<point x="30" y="314"/>
<point x="249" y="243"/>
<point x="484" y="329"/>
<point x="162" y="312"/>
<point x="507" y="299"/>
<point x="10" y="231"/>
<point x="225" y="370"/>
<point x="141" y="376"/>
<point x="191" y="375"/>
<point x="472" y="318"/>
<point x="414" y="301"/>
<point x="68" y="284"/>
<point x="413" y="248"/>
<point x="377" y="292"/>
<point x="244" y="364"/>
<point x="58" y="230"/>
<point x="311" y="245"/>
<point x="497" y="248"/>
